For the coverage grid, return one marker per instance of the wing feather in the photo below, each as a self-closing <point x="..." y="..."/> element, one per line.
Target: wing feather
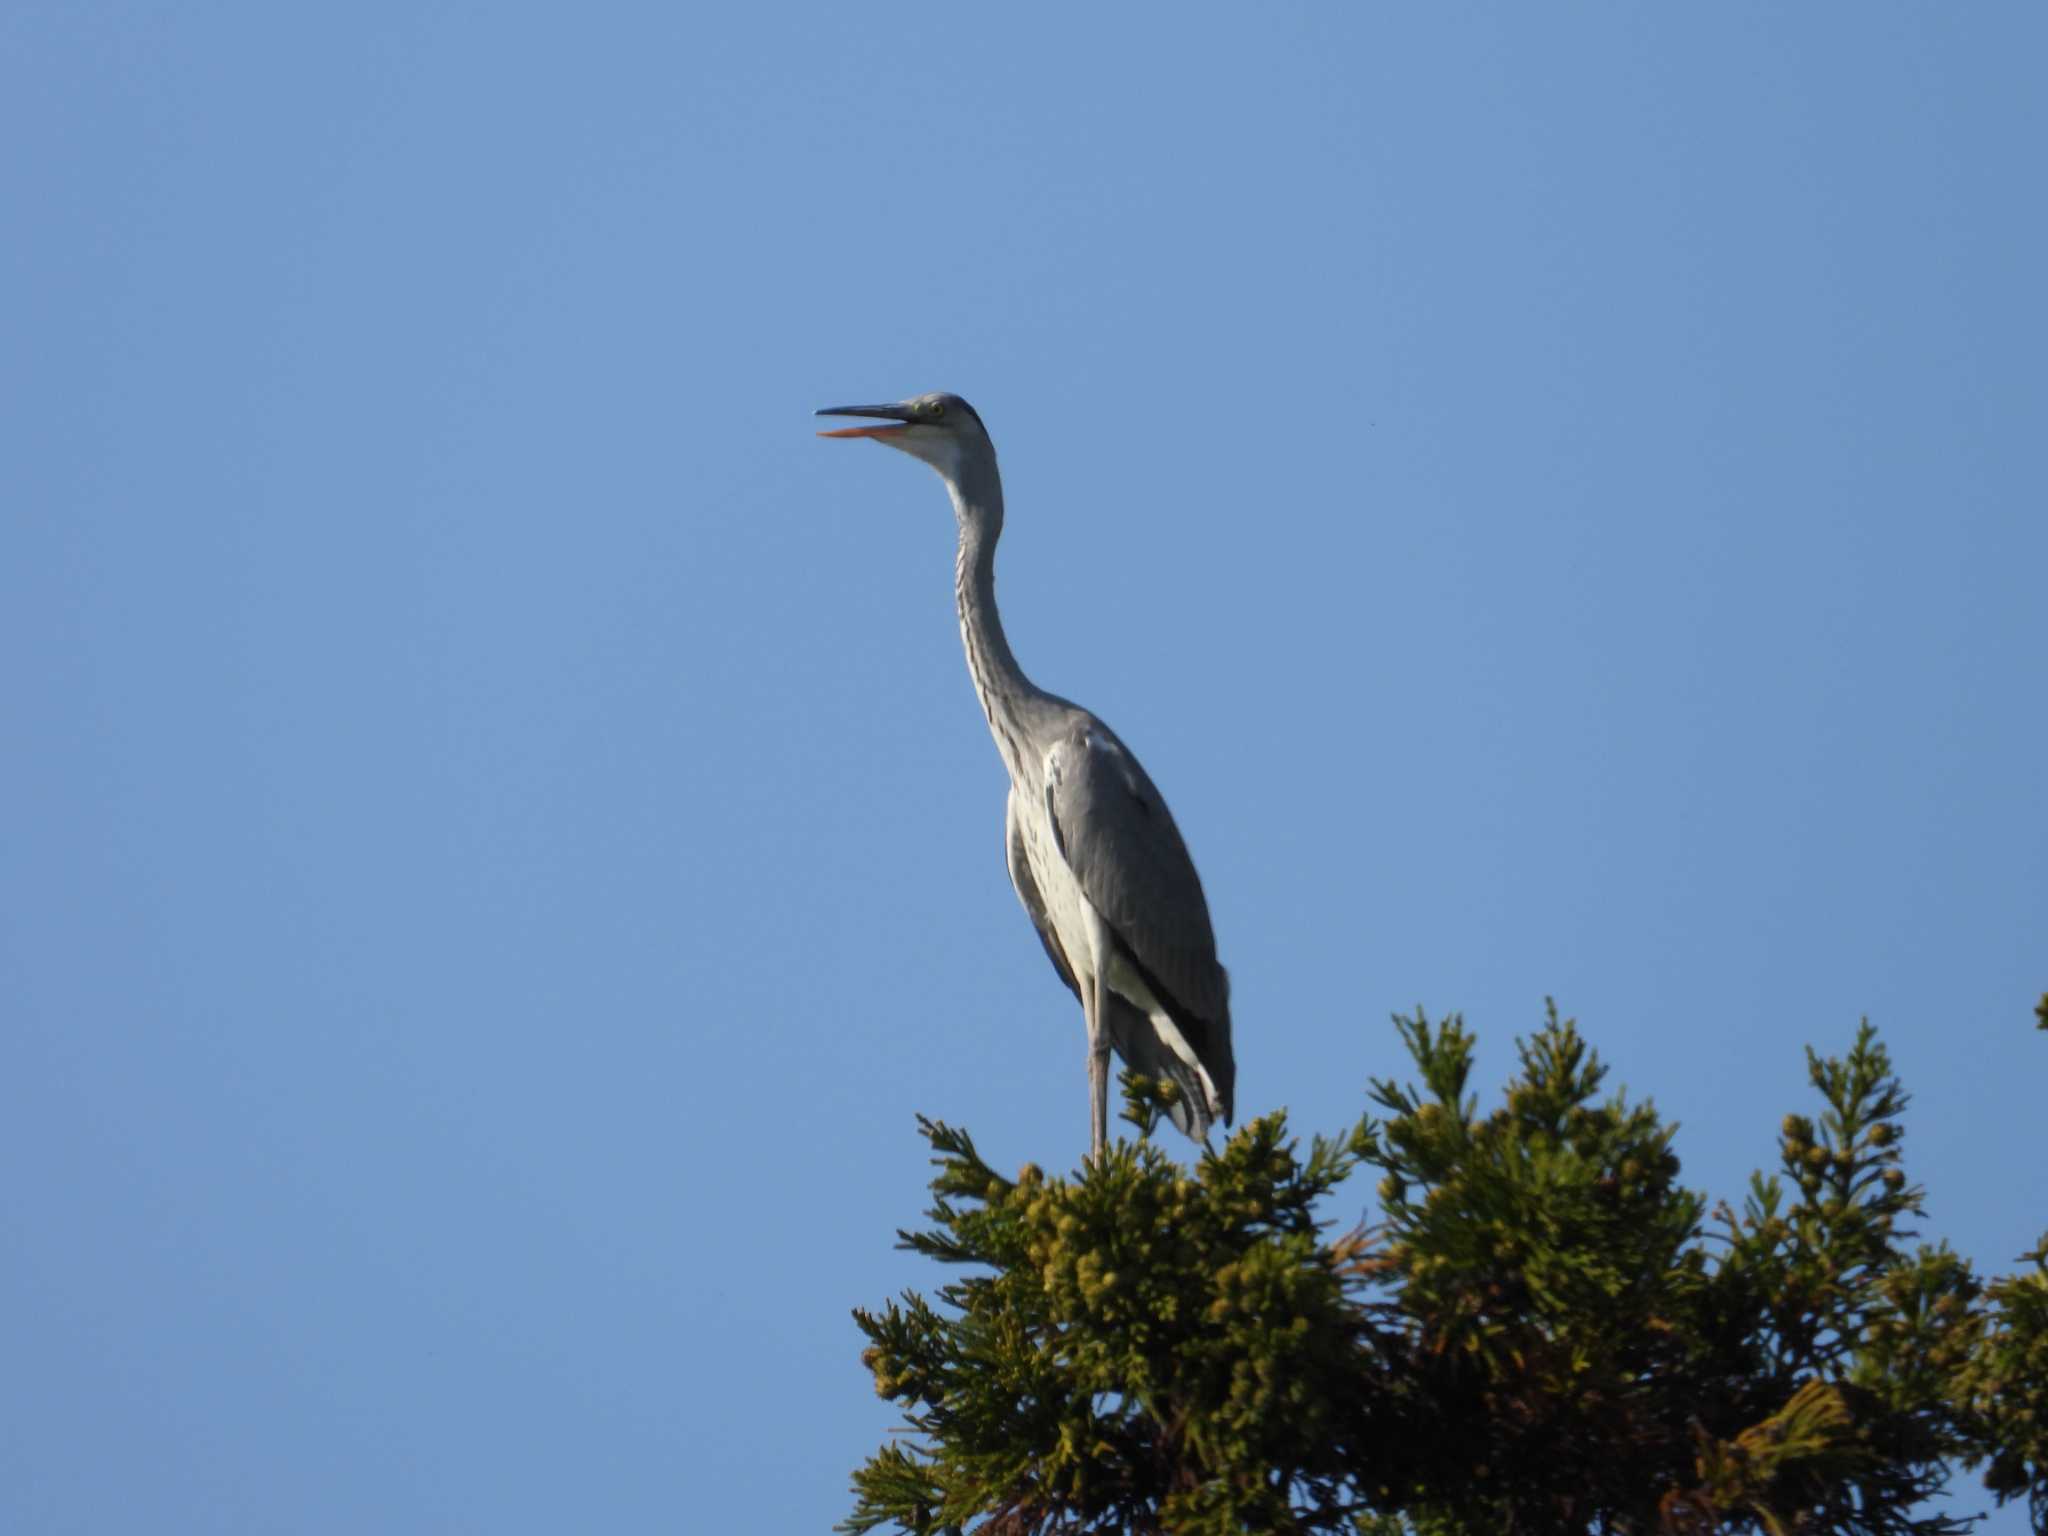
<point x="1120" y="841"/>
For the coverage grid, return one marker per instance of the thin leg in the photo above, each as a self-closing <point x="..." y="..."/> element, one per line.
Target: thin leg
<point x="1098" y="1071"/>
<point x="1096" y="1096"/>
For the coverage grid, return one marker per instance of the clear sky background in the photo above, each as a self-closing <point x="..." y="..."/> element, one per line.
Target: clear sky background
<point x="496" y="839"/>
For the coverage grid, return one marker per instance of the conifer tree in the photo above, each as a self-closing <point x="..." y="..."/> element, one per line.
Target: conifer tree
<point x="1543" y="1331"/>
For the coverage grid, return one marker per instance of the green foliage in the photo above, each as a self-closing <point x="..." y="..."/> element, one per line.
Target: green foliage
<point x="1545" y="1332"/>
<point x="2002" y="1385"/>
<point x="1150" y="1347"/>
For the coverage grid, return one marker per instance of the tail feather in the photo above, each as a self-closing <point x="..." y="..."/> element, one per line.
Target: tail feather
<point x="1137" y="1042"/>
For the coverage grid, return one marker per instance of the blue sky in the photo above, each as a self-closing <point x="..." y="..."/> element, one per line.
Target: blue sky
<point x="499" y="842"/>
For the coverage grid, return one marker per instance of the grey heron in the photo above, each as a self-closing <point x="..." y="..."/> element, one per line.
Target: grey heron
<point x="1094" y="854"/>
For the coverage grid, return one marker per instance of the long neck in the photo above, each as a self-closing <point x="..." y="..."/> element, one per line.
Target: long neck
<point x="1008" y="697"/>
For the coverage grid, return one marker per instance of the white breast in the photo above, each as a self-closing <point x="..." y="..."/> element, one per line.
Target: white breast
<point x="1073" y="920"/>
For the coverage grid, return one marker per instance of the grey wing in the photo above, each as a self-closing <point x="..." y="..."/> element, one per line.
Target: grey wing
<point x="1120" y="841"/>
<point x="1027" y="892"/>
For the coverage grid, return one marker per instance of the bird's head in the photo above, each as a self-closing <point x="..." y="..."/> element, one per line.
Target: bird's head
<point x="939" y="428"/>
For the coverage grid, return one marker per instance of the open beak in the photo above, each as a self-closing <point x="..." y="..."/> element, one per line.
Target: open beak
<point x="895" y="413"/>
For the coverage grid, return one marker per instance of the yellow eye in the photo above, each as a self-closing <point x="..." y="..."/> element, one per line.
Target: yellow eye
<point x="938" y="407"/>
